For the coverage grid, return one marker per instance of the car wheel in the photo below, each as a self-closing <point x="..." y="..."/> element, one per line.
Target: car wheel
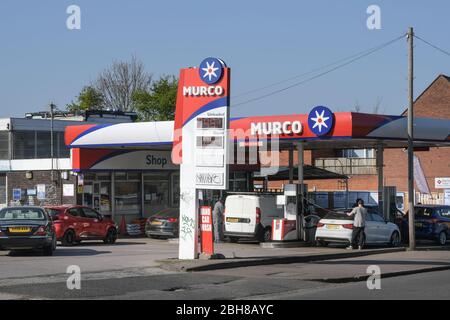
<point x="111" y="236"/>
<point x="68" y="238"/>
<point x="54" y="242"/>
<point x="395" y="239"/>
<point x="442" y="239"/>
<point x="265" y="235"/>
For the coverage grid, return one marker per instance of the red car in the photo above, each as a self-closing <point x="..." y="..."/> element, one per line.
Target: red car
<point x="76" y="223"/>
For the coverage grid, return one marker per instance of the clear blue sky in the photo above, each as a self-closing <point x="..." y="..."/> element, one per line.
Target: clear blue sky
<point x="262" y="41"/>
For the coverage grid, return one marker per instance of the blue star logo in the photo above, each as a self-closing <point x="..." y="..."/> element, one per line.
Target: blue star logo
<point x="320" y="120"/>
<point x="211" y="70"/>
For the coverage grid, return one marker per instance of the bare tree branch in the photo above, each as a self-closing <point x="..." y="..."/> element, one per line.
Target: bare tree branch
<point x="376" y="107"/>
<point x="120" y="81"/>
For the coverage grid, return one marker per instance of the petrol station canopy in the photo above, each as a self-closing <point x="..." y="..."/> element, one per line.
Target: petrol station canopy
<point x="348" y="130"/>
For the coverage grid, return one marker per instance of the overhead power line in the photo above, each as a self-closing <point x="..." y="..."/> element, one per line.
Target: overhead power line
<point x="432" y="45"/>
<point x="356" y="57"/>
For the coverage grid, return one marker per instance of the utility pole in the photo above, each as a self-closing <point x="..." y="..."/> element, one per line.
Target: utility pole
<point x="52" y="106"/>
<point x="411" y="225"/>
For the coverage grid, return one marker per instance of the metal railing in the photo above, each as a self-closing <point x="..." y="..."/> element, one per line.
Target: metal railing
<point x="348" y="166"/>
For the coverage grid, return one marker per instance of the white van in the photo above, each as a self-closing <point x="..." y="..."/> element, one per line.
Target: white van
<point x="250" y="216"/>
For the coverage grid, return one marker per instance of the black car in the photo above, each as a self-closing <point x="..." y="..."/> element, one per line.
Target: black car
<point x="25" y="228"/>
<point x="164" y="224"/>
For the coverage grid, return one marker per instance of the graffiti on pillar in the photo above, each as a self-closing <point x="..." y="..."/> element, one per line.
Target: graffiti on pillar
<point x="187" y="227"/>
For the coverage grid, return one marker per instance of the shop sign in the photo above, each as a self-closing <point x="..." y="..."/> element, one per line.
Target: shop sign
<point x="209" y="179"/>
<point x="442" y="183"/>
<point x="17" y="194"/>
<point x="40" y="188"/>
<point x="447" y="197"/>
<point x="276" y="127"/>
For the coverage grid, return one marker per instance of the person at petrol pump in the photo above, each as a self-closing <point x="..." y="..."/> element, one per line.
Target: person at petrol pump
<point x="217" y="220"/>
<point x="358" y="225"/>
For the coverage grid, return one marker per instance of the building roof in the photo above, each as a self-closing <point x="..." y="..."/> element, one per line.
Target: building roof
<point x="440" y="76"/>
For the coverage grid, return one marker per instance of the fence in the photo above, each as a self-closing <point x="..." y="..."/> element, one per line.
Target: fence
<point x="348" y="166"/>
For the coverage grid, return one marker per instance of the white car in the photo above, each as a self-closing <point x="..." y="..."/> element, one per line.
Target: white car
<point x="338" y="227"/>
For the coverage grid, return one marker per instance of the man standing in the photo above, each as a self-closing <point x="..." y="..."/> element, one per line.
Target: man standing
<point x="358" y="224"/>
<point x="217" y="220"/>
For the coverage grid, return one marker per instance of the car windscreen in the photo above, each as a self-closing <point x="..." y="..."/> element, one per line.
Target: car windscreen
<point x="336" y="215"/>
<point x="22" y="214"/>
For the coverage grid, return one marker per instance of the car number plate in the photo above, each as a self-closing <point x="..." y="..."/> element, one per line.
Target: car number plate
<point x="332" y="226"/>
<point x="19" y="229"/>
<point x="232" y="219"/>
<point x="419" y="224"/>
<point x="156" y="223"/>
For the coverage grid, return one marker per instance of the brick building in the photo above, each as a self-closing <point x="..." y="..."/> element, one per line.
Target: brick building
<point x="360" y="165"/>
<point x="26" y="162"/>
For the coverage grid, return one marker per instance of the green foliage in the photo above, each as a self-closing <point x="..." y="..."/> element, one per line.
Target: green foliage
<point x="157" y="104"/>
<point x="88" y="99"/>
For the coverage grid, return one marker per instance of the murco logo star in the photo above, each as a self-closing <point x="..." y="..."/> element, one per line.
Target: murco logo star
<point x="320" y="120"/>
<point x="211" y="70"/>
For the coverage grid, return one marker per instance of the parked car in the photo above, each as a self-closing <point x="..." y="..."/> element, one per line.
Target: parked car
<point x="338" y="227"/>
<point x="27" y="228"/>
<point x="76" y="223"/>
<point x="163" y="224"/>
<point x="250" y="216"/>
<point x="432" y="222"/>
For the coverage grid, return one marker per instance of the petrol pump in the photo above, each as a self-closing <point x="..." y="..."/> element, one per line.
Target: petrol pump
<point x="290" y="227"/>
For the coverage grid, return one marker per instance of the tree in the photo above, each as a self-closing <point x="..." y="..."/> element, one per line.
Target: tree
<point x="88" y="99"/>
<point x="157" y="104"/>
<point x="376" y="107"/>
<point x="357" y="107"/>
<point x="120" y="82"/>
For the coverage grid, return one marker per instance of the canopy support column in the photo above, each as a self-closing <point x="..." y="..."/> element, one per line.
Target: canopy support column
<point x="380" y="161"/>
<point x="300" y="164"/>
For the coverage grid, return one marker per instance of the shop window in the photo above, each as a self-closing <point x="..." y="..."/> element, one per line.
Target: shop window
<point x="358" y="153"/>
<point x="44" y="148"/>
<point x="63" y="150"/>
<point x="24" y="144"/>
<point x="156" y="192"/>
<point x="176" y="190"/>
<point x="127" y="197"/>
<point x="4" y="145"/>
<point x="127" y="193"/>
<point x="238" y="181"/>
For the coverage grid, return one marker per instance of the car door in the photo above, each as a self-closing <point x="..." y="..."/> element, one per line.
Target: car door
<point x="370" y="229"/>
<point x="93" y="227"/>
<point x="75" y="220"/>
<point x="382" y="232"/>
<point x="444" y="217"/>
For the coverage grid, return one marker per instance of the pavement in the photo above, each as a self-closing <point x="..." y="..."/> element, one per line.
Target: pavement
<point x="350" y="269"/>
<point x="144" y="269"/>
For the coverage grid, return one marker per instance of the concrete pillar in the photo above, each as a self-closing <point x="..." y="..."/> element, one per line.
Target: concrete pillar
<point x="291" y="165"/>
<point x="300" y="164"/>
<point x="380" y="161"/>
